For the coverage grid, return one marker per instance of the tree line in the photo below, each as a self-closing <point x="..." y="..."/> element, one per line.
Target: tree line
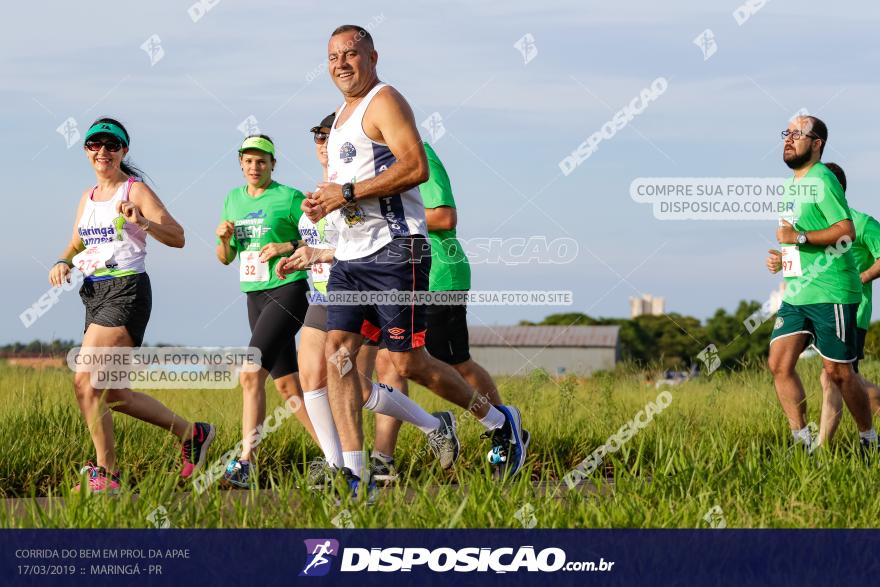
<point x="674" y="340"/>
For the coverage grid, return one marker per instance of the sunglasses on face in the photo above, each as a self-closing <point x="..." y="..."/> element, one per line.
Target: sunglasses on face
<point x="320" y="137"/>
<point x="111" y="146"/>
<point x="797" y="135"/>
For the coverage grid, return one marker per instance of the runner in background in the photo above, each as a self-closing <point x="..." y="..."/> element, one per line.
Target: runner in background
<point x="866" y="252"/>
<point x="375" y="164"/>
<point x="259" y="226"/>
<point x="316" y="253"/>
<point x="114" y="218"/>
<point x="447" y="335"/>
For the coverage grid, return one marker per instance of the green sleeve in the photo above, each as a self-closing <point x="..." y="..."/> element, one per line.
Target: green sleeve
<point x="437" y="191"/>
<point x="833" y="205"/>
<point x="296" y="210"/>
<point x="871" y="237"/>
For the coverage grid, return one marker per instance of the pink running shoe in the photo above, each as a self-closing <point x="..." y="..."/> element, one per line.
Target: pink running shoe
<point x="98" y="481"/>
<point x="195" y="450"/>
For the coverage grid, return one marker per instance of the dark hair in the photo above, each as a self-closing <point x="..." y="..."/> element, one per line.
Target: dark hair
<point x="126" y="165"/>
<point x="819" y="129"/>
<point x="267" y="137"/>
<point x="837" y="170"/>
<point x="362" y="33"/>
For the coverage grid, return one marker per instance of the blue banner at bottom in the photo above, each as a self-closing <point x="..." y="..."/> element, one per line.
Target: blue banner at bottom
<point x="383" y="557"/>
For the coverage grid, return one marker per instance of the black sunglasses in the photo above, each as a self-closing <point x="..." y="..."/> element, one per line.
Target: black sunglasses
<point x="320" y="137"/>
<point x="111" y="146"/>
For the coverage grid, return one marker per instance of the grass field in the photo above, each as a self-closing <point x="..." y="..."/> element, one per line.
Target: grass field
<point x="721" y="442"/>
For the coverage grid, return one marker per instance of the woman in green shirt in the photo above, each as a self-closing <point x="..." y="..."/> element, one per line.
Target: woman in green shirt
<point x="259" y="226"/>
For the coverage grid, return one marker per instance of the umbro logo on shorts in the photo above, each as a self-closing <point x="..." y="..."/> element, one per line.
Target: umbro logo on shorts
<point x="396" y="333"/>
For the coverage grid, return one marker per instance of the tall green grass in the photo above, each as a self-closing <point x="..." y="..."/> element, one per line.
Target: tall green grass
<point x="723" y="442"/>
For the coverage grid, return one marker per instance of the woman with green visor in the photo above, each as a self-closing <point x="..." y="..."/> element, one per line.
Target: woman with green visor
<point x="109" y="247"/>
<point x="259" y="226"/>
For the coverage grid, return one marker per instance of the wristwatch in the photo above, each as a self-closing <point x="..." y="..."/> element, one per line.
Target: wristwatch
<point x="348" y="192"/>
<point x="802" y="238"/>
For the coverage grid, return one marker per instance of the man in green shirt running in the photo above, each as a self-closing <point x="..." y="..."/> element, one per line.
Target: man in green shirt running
<point x="822" y="287"/>
<point x="447" y="334"/>
<point x="866" y="251"/>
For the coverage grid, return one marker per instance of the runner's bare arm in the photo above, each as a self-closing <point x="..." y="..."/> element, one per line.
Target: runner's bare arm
<point x="152" y="216"/>
<point x="226" y="252"/>
<point x="441" y="218"/>
<point x="60" y="271"/>
<point x="872" y="272"/>
<point x="787" y="234"/>
<point x="388" y="120"/>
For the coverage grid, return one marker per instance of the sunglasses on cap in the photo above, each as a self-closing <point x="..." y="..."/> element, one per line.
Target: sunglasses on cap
<point x="111" y="145"/>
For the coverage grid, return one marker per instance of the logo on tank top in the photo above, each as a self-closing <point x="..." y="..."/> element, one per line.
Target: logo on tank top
<point x="347" y="152"/>
<point x="353" y="214"/>
<point x="119" y="223"/>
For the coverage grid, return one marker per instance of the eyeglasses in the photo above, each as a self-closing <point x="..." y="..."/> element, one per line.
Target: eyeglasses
<point x="797" y="135"/>
<point x="320" y="137"/>
<point x="111" y="146"/>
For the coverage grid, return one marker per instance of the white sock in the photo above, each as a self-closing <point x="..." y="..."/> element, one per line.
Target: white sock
<point x="382" y="457"/>
<point x="355" y="462"/>
<point x="803" y="435"/>
<point x="870" y="436"/>
<point x="493" y="419"/>
<point x="392" y="402"/>
<point x="318" y="408"/>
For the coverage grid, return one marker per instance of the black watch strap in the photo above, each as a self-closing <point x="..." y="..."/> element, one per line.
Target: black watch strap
<point x="348" y="192"/>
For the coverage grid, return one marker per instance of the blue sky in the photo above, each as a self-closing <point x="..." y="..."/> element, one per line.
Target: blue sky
<point x="508" y="124"/>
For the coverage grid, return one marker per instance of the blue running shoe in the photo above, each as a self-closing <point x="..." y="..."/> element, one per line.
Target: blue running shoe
<point x="238" y="474"/>
<point x="509" y="444"/>
<point x="354" y="485"/>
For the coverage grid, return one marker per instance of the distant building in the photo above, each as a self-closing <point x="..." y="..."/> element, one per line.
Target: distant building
<point x="776" y="298"/>
<point x="560" y="350"/>
<point x="647" y="305"/>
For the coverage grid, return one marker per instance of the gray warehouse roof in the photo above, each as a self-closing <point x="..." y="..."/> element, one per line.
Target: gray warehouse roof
<point x="544" y="336"/>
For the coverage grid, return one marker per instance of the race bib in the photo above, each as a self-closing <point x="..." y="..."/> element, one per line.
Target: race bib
<point x="320" y="272"/>
<point x="791" y="261"/>
<point x="251" y="268"/>
<point x="93" y="258"/>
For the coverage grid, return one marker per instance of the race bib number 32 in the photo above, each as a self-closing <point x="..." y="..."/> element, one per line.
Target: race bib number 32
<point x="791" y="262"/>
<point x="251" y="268"/>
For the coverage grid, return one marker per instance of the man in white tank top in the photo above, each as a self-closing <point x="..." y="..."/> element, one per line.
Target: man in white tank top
<point x="376" y="162"/>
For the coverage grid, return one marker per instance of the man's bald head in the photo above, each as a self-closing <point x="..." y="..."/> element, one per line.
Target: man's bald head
<point x="362" y="35"/>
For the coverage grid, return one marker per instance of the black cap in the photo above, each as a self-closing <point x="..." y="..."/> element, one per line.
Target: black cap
<point x="326" y="123"/>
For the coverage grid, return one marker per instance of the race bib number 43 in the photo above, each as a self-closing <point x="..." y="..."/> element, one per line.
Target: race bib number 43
<point x="791" y="261"/>
<point x="251" y="268"/>
<point x="320" y="272"/>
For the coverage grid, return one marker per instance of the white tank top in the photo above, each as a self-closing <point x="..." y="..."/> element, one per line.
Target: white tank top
<point x="368" y="225"/>
<point x="318" y="236"/>
<point x="100" y="223"/>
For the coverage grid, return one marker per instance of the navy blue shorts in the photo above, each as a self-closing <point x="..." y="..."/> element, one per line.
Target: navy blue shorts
<point x="402" y="265"/>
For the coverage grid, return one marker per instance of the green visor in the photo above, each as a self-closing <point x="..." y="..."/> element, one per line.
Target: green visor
<point x="106" y="128"/>
<point x="258" y="143"/>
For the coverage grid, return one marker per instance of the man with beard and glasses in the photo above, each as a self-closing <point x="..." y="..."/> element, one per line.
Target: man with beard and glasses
<point x="822" y="286"/>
